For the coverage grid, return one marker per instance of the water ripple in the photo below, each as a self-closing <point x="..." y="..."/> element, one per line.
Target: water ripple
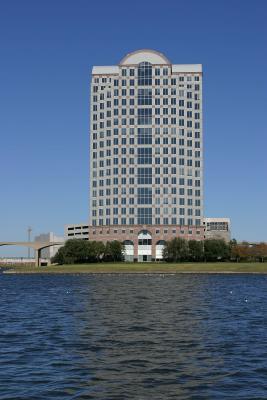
<point x="133" y="337"/>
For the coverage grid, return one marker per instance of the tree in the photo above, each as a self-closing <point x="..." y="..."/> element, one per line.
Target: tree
<point x="95" y="251"/>
<point x="59" y="257"/>
<point x="260" y="251"/>
<point x="196" y="250"/>
<point x="176" y="250"/>
<point x="75" y="251"/>
<point x="113" y="251"/>
<point x="216" y="249"/>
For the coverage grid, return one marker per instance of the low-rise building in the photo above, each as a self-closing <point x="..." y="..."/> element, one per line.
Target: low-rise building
<point x="217" y="228"/>
<point x="76" y="231"/>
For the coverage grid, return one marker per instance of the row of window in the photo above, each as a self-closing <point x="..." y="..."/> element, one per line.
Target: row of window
<point x="132" y="131"/>
<point x="157" y="171"/>
<point x="180" y="230"/>
<point x="140" y="132"/>
<point x="157" y="151"/>
<point x="157" y="201"/>
<point x="146" y="219"/>
<point x="159" y="134"/>
<point x="146" y="101"/>
<point x="145" y="137"/>
<point x="157" y="71"/>
<point x="146" y="111"/>
<point x="158" y="211"/>
<point x="143" y="159"/>
<point x="188" y="94"/>
<point x="165" y="201"/>
<point x="148" y="81"/>
<point x="157" y="180"/>
<point x="145" y="121"/>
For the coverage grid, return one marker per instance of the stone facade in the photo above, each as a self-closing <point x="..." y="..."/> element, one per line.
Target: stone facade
<point x="158" y="233"/>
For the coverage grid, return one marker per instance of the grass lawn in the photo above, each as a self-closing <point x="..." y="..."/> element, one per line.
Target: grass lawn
<point x="220" y="267"/>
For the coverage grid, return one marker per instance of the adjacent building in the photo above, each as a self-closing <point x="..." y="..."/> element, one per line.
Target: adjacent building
<point x="146" y="153"/>
<point x="76" y="231"/>
<point x="217" y="228"/>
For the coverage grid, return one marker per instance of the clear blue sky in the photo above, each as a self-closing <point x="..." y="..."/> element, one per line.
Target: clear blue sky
<point x="47" y="51"/>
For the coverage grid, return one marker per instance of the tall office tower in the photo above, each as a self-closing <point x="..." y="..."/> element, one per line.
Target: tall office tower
<point x="146" y="153"/>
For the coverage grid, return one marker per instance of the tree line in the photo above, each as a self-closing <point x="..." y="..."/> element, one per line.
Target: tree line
<point x="178" y="250"/>
<point x="77" y="251"/>
<point x="248" y="252"/>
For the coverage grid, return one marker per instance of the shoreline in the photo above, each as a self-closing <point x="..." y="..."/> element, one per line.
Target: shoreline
<point x="142" y="268"/>
<point x="136" y="273"/>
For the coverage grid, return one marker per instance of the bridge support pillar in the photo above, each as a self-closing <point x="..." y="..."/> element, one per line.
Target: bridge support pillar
<point x="37" y="257"/>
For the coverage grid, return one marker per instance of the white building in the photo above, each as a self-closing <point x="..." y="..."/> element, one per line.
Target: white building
<point x="217" y="228"/>
<point x="146" y="155"/>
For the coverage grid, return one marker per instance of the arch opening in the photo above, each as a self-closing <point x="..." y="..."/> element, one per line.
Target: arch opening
<point x="160" y="245"/>
<point x="128" y="250"/>
<point x="144" y="246"/>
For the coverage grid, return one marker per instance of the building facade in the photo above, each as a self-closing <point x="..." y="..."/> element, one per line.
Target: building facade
<point x="217" y="228"/>
<point x="146" y="153"/>
<point x="76" y="231"/>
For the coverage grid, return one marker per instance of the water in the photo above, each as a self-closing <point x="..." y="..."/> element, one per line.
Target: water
<point x="133" y="337"/>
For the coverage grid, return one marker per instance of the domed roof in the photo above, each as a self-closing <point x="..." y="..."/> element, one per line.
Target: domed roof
<point x="146" y="55"/>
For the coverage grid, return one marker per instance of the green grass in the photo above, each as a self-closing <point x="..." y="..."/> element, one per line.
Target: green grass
<point x="220" y="267"/>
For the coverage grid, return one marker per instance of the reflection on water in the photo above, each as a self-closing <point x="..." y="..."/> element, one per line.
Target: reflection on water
<point x="133" y="337"/>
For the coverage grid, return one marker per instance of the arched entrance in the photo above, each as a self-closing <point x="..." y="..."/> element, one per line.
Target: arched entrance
<point x="144" y="246"/>
<point x="159" y="249"/>
<point x="128" y="250"/>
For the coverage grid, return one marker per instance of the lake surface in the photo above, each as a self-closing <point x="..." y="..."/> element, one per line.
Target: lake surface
<point x="133" y="337"/>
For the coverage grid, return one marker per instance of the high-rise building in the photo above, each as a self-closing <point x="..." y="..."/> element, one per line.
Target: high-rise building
<point x="146" y="157"/>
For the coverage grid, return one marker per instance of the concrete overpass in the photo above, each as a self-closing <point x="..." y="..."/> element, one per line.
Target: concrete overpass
<point x="37" y="246"/>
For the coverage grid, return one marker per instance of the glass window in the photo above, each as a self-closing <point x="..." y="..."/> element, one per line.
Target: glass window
<point x="144" y="74"/>
<point x="144" y="155"/>
<point x="144" y="116"/>
<point x="144" y="96"/>
<point x="144" y="135"/>
<point x="144" y="195"/>
<point x="144" y="176"/>
<point x="144" y="216"/>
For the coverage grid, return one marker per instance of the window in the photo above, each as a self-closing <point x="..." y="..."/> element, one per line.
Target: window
<point x="144" y="74"/>
<point x="144" y="96"/>
<point x="144" y="195"/>
<point x="165" y="71"/>
<point x="145" y="176"/>
<point x="144" y="216"/>
<point x="144" y="116"/>
<point x="144" y="155"/>
<point x="144" y="136"/>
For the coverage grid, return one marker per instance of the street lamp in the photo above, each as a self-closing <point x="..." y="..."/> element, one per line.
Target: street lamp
<point x="29" y="239"/>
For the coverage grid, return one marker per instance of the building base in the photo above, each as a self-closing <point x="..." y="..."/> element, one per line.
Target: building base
<point x="144" y="243"/>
